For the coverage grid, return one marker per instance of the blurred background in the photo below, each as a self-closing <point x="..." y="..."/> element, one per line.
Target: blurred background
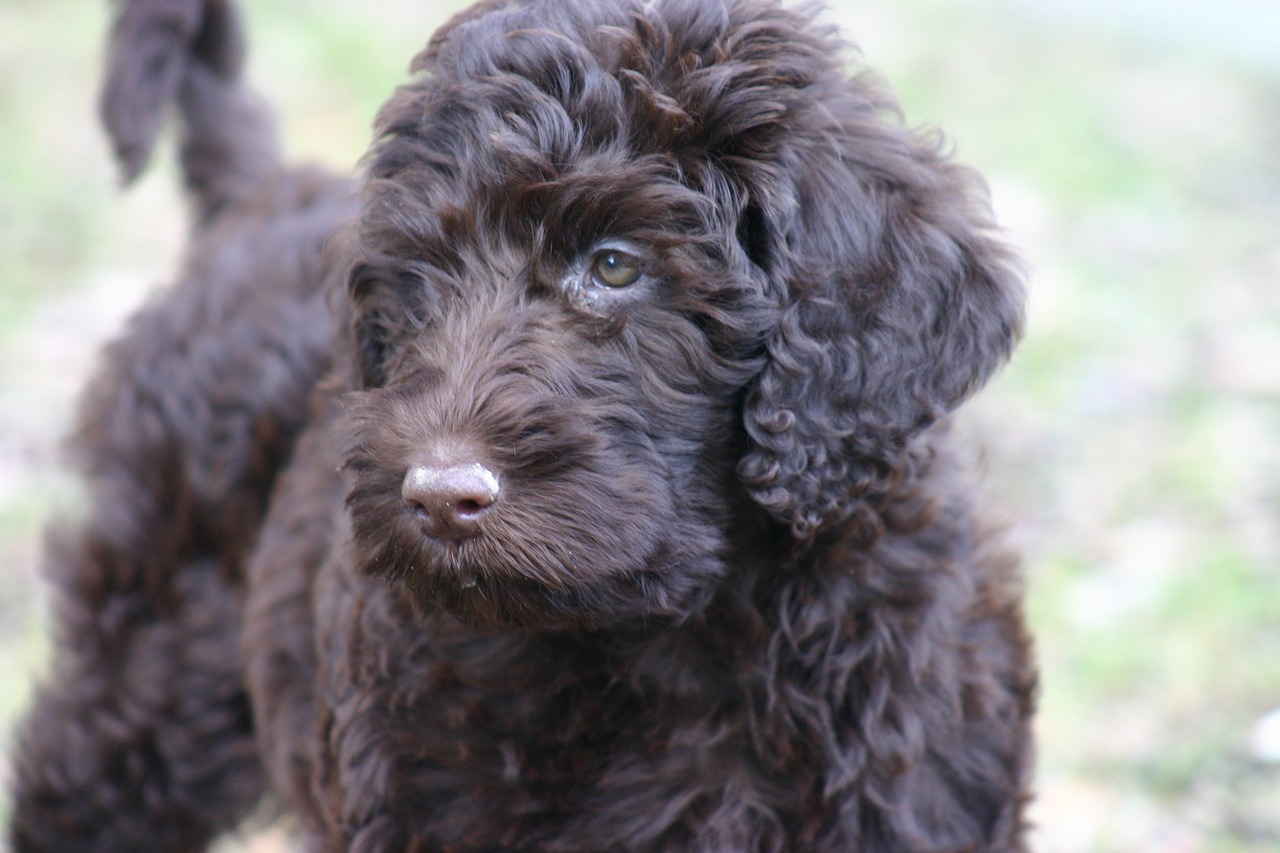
<point x="1133" y="151"/>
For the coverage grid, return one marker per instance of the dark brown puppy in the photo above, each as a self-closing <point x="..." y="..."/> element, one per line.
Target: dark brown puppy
<point x="646" y="534"/>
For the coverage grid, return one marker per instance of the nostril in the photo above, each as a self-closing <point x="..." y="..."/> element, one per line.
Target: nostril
<point x="450" y="499"/>
<point x="469" y="507"/>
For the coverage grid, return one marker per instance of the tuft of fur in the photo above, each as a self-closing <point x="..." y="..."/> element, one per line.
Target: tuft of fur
<point x="734" y="593"/>
<point x="187" y="54"/>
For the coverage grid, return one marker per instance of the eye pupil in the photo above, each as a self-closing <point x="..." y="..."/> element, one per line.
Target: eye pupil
<point x="616" y="269"/>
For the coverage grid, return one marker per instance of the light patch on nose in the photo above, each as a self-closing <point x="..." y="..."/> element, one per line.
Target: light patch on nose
<point x="429" y="480"/>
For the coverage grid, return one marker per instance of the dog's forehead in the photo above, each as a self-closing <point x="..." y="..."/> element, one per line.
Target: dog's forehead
<point x="518" y="92"/>
<point x="529" y="99"/>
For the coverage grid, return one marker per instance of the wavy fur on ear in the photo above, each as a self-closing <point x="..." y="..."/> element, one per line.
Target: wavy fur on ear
<point x="898" y="301"/>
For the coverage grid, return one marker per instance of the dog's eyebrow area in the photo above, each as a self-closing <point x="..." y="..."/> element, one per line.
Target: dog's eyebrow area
<point x="638" y="210"/>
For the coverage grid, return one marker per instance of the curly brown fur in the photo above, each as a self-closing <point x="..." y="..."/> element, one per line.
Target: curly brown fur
<point x="722" y="585"/>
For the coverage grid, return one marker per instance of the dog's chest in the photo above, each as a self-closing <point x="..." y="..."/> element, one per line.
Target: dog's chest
<point x="501" y="742"/>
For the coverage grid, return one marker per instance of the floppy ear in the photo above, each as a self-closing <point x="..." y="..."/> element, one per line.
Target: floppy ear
<point x="897" y="304"/>
<point x="364" y="333"/>
<point x="377" y="317"/>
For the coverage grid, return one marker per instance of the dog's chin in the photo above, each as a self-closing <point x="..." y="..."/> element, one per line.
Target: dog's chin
<point x="490" y="584"/>
<point x="521" y="604"/>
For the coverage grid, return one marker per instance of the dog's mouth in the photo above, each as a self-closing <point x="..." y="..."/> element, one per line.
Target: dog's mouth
<point x="483" y="600"/>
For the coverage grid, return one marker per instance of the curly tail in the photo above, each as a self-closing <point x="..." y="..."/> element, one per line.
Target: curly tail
<point x="189" y="53"/>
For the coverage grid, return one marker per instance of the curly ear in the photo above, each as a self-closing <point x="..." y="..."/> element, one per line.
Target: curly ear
<point x="897" y="303"/>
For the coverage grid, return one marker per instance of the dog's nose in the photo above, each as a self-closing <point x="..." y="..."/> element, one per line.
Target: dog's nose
<point x="451" y="498"/>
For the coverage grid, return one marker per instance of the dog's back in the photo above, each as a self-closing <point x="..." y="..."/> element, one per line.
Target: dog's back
<point x="141" y="738"/>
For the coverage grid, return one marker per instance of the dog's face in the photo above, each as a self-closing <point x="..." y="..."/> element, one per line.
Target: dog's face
<point x="625" y="264"/>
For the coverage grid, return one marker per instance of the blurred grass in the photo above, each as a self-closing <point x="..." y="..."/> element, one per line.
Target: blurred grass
<point x="1134" y="440"/>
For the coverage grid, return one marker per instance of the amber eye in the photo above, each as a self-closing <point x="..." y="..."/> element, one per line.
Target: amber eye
<point x="615" y="269"/>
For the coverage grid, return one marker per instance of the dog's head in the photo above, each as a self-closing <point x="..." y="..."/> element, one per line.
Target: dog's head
<point x="622" y="265"/>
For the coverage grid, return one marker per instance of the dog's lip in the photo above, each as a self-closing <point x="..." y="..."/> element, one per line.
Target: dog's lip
<point x="473" y="565"/>
<point x="452" y="562"/>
